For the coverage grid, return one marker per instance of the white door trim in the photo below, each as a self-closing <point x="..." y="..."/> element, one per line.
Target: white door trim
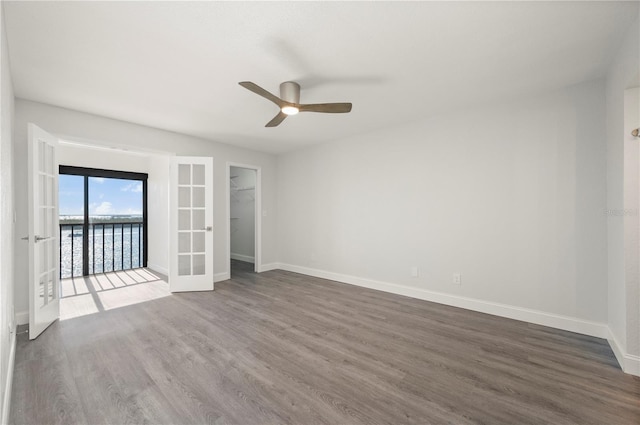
<point x="258" y="214"/>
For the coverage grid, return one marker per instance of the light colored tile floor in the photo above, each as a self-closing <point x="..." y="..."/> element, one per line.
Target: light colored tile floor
<point x="81" y="296"/>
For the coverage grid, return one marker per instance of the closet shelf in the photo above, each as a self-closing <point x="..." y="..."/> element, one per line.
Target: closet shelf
<point x="242" y="188"/>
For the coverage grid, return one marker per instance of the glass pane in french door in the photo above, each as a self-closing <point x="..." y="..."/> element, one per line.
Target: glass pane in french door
<point x="191" y="220"/>
<point x="46" y="231"/>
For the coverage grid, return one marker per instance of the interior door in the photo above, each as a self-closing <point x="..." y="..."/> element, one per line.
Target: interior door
<point x="191" y="224"/>
<point x="44" y="288"/>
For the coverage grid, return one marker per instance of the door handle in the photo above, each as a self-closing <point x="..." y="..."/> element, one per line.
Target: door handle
<point x="37" y="238"/>
<point x="208" y="228"/>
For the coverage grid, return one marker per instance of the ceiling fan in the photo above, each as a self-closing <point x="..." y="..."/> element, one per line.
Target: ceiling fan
<point x="289" y="101"/>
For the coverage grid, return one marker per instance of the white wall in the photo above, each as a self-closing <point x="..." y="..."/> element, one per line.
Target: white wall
<point x="86" y="156"/>
<point x="79" y="126"/>
<point x="622" y="203"/>
<point x="243" y="217"/>
<point x="7" y="231"/>
<point x="510" y="195"/>
<point x="158" y="213"/>
<point x="632" y="221"/>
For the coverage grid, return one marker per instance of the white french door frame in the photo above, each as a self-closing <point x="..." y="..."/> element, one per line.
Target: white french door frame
<point x="257" y="266"/>
<point x="42" y="183"/>
<point x="193" y="281"/>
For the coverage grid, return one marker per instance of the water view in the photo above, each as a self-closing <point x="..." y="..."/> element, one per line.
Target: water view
<point x="115" y="243"/>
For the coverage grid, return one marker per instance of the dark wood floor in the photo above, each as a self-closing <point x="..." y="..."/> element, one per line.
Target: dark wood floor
<point x="280" y="347"/>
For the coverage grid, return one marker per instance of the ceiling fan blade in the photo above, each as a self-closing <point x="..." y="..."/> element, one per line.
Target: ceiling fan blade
<point x="331" y="108"/>
<point x="262" y="92"/>
<point x="277" y="120"/>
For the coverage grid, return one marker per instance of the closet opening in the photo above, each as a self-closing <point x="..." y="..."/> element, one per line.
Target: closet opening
<point x="244" y="198"/>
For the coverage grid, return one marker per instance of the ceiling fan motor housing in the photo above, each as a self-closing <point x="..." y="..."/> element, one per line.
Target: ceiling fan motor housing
<point x="290" y="92"/>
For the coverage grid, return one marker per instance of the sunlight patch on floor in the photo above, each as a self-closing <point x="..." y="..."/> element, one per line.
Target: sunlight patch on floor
<point x="129" y="295"/>
<point x="80" y="305"/>
<point x="74" y="286"/>
<point x="82" y="296"/>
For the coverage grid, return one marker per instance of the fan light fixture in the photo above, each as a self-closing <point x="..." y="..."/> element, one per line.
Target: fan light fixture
<point x="290" y="110"/>
<point x="289" y="102"/>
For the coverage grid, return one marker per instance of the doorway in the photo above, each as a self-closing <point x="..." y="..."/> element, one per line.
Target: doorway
<point x="244" y="218"/>
<point x="103" y="221"/>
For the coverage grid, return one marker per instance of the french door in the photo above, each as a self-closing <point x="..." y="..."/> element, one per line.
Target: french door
<point x="191" y="224"/>
<point x="44" y="289"/>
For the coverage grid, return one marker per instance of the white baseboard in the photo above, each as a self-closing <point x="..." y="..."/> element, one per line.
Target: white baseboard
<point x="6" y="403"/>
<point x="615" y="347"/>
<point x="241" y="257"/>
<point x="22" y="318"/>
<point x="267" y="267"/>
<point x="537" y="317"/>
<point x="631" y="364"/>
<point x="159" y="269"/>
<point x="628" y="362"/>
<point x="219" y="277"/>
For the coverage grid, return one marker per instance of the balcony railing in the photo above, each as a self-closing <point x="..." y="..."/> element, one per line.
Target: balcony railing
<point x="111" y="247"/>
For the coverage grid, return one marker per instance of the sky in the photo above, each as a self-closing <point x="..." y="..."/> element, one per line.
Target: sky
<point x="106" y="196"/>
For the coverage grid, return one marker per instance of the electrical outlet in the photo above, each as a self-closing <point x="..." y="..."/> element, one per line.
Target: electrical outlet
<point x="457" y="279"/>
<point x="414" y="271"/>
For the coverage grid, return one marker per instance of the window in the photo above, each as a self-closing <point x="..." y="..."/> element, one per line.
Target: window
<point x="103" y="221"/>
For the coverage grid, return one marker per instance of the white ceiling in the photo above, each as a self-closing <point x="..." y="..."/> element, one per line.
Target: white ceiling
<point x="176" y="65"/>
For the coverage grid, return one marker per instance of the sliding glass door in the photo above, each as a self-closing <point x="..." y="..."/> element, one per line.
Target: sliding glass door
<point x="103" y="221"/>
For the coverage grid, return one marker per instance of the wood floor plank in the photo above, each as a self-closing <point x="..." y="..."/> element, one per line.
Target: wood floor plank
<point x="48" y="394"/>
<point x="283" y="348"/>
